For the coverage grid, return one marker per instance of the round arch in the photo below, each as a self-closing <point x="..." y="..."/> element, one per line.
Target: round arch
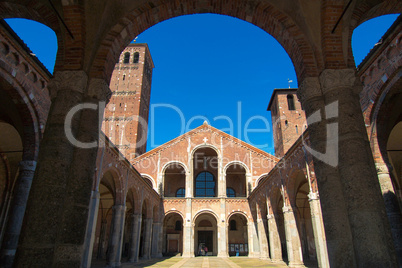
<point x="237" y="212"/>
<point x="260" y="178"/>
<point x="265" y="15"/>
<point x="201" y="146"/>
<point x="236" y="163"/>
<point x="174" y="162"/>
<point x="208" y="211"/>
<point x="149" y="177"/>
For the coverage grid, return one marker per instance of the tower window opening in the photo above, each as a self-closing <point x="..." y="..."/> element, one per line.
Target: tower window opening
<point x="297" y="130"/>
<point x="136" y="57"/>
<point x="124" y="77"/>
<point x="286" y="122"/>
<point x="291" y="102"/>
<point x="126" y="58"/>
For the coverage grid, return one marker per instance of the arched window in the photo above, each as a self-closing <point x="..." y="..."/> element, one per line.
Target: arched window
<point x="126" y="58"/>
<point x="181" y="192"/>
<point x="291" y="102"/>
<point x="205" y="185"/>
<point x="233" y="225"/>
<point x="230" y="192"/>
<point x="177" y="226"/>
<point x="136" y="57"/>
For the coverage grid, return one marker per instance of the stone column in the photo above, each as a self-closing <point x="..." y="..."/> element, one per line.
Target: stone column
<point x="147" y="239"/>
<point x="17" y="211"/>
<point x="318" y="230"/>
<point x="339" y="238"/>
<point x="262" y="236"/>
<point x="91" y="228"/>
<point x="274" y="240"/>
<point x="116" y="236"/>
<point x="391" y="206"/>
<point x="156" y="230"/>
<point x="53" y="231"/>
<point x="135" y="237"/>
<point x="293" y="245"/>
<point x="372" y="240"/>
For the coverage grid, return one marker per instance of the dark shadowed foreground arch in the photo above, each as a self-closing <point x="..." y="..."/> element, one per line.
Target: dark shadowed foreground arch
<point x="263" y="15"/>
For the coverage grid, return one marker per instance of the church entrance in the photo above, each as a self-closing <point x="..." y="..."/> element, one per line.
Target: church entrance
<point x="205" y="238"/>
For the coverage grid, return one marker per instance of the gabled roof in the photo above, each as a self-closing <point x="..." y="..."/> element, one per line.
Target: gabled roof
<point x="195" y="131"/>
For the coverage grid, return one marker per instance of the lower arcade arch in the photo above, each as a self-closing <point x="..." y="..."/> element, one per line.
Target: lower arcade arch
<point x="303" y="218"/>
<point x="105" y="215"/>
<point x="237" y="235"/>
<point x="205" y="235"/>
<point x="172" y="234"/>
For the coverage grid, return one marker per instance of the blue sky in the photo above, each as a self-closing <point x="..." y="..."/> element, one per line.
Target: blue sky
<point x="210" y="67"/>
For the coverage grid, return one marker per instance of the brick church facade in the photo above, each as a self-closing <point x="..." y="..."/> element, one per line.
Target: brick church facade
<point x="115" y="202"/>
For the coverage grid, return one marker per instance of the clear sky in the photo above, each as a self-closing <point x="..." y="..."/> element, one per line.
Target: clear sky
<point x="210" y="67"/>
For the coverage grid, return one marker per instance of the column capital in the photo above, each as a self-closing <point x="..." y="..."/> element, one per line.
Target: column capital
<point x="68" y="81"/>
<point x="332" y="79"/>
<point x="313" y="196"/>
<point x="309" y="88"/>
<point x="270" y="216"/>
<point x="99" y="89"/>
<point x="287" y="209"/>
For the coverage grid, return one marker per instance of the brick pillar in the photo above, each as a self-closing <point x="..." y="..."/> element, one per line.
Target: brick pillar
<point x="116" y="236"/>
<point x="318" y="230"/>
<point x="253" y="243"/>
<point x="135" y="237"/>
<point x="222" y="231"/>
<point x="369" y="225"/>
<point x="293" y="245"/>
<point x="147" y="239"/>
<point x="274" y="240"/>
<point x="17" y="211"/>
<point x="339" y="238"/>
<point x="53" y="232"/>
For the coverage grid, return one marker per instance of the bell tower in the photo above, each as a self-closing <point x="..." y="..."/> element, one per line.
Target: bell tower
<point x="288" y="119"/>
<point x="126" y="115"/>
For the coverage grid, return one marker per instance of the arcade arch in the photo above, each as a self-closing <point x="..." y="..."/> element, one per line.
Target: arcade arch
<point x="205" y="234"/>
<point x="172" y="234"/>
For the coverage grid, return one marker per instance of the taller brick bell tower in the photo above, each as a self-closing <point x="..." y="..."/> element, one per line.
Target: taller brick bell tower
<point x="288" y="119"/>
<point x="126" y="115"/>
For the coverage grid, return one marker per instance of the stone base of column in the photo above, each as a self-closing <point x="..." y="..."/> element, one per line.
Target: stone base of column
<point x="188" y="255"/>
<point x="254" y="255"/>
<point x="276" y="261"/>
<point x="296" y="264"/>
<point x="223" y="255"/>
<point x="114" y="265"/>
<point x="159" y="255"/>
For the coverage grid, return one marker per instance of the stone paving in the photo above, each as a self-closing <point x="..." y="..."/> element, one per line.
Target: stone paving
<point x="202" y="262"/>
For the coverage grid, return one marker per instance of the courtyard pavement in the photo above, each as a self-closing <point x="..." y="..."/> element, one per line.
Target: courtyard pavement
<point x="200" y="262"/>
